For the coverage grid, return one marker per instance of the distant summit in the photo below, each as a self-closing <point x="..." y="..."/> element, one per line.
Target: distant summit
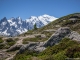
<point x="16" y="26"/>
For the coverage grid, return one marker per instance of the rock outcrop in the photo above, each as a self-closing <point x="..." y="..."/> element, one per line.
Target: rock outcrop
<point x="74" y="36"/>
<point x="57" y="36"/>
<point x="54" y="39"/>
<point x="33" y="46"/>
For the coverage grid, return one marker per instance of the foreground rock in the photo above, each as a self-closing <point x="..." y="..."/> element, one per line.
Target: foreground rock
<point x="54" y="39"/>
<point x="57" y="36"/>
<point x="74" y="36"/>
<point x="34" y="46"/>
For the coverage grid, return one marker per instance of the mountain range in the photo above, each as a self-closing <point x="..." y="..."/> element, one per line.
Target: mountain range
<point x="16" y="26"/>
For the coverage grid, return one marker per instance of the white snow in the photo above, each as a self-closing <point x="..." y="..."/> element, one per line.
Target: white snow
<point x="40" y="20"/>
<point x="21" y="31"/>
<point x="5" y="32"/>
<point x="43" y="18"/>
<point x="19" y="18"/>
<point x="4" y="23"/>
<point x="12" y="23"/>
<point x="20" y="28"/>
<point x="20" y="22"/>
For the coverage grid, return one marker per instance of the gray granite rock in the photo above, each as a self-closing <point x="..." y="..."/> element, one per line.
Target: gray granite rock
<point x="32" y="46"/>
<point x="57" y="36"/>
<point x="74" y="36"/>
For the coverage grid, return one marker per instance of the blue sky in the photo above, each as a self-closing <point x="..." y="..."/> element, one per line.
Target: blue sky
<point x="27" y="8"/>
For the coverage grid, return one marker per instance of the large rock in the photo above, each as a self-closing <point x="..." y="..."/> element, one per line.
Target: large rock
<point x="74" y="36"/>
<point x="33" y="46"/>
<point x="57" y="36"/>
<point x="54" y="39"/>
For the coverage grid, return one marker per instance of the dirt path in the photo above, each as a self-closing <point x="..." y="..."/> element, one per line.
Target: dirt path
<point x="11" y="57"/>
<point x="19" y="42"/>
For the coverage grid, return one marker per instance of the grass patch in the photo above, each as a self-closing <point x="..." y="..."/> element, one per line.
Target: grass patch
<point x="2" y="46"/>
<point x="25" y="41"/>
<point x="10" y="42"/>
<point x="1" y="41"/>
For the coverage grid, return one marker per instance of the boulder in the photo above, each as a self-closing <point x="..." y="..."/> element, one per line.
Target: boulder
<point x="74" y="36"/>
<point x="32" y="46"/>
<point x="57" y="36"/>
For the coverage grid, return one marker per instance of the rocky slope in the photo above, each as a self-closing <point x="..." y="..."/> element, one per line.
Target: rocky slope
<point x="54" y="39"/>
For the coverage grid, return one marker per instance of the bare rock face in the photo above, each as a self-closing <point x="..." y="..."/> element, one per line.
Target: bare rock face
<point x="57" y="36"/>
<point x="33" y="46"/>
<point x="54" y="39"/>
<point x="74" y="36"/>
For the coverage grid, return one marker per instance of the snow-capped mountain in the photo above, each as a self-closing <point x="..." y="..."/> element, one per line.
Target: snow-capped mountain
<point x="15" y="26"/>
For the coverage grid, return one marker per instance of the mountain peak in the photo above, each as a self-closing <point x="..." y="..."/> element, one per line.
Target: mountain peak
<point x="33" y="17"/>
<point x="12" y="18"/>
<point x="17" y="26"/>
<point x="45" y="15"/>
<point x="19" y="18"/>
<point x="4" y="19"/>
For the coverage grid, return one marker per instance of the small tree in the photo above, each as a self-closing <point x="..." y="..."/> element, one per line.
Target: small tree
<point x="35" y="27"/>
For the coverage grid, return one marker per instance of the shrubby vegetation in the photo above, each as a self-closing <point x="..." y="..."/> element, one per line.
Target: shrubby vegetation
<point x="65" y="49"/>
<point x="10" y="42"/>
<point x="2" y="46"/>
<point x="34" y="39"/>
<point x="25" y="55"/>
<point x="35" y="27"/>
<point x="67" y="22"/>
<point x="25" y="40"/>
<point x="1" y="41"/>
<point x="7" y="43"/>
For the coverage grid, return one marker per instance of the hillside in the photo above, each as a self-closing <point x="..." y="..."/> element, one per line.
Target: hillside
<point x="64" y="21"/>
<point x="59" y="40"/>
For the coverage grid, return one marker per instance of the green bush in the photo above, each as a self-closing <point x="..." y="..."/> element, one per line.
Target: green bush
<point x="10" y="41"/>
<point x="76" y="55"/>
<point x="22" y="57"/>
<point x="32" y="53"/>
<point x="25" y="55"/>
<point x="46" y="57"/>
<point x="25" y="41"/>
<point x="66" y="22"/>
<point x="60" y="56"/>
<point x="2" y="46"/>
<point x="35" y="26"/>
<point x="73" y="52"/>
<point x="16" y="39"/>
<point x="1" y="41"/>
<point x="65" y="40"/>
